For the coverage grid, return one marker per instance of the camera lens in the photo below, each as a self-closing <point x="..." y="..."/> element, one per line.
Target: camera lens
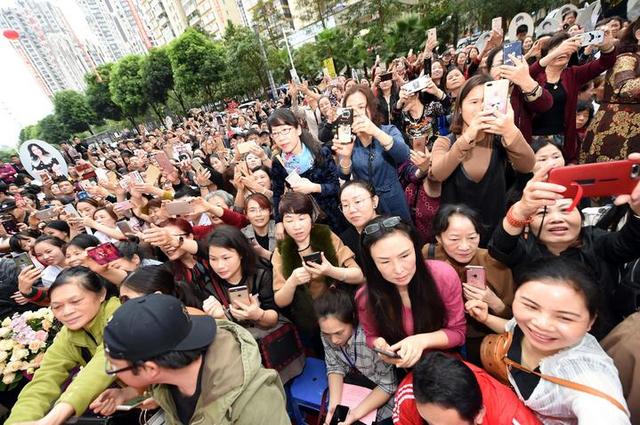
<point x="635" y="171"/>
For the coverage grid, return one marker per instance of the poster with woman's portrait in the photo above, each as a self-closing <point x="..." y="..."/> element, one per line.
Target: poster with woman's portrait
<point x="38" y="156"/>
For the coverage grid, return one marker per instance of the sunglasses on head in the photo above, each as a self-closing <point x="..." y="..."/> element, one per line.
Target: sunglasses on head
<point x="387" y="223"/>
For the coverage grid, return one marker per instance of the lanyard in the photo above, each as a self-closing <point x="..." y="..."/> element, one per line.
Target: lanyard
<point x="355" y="352"/>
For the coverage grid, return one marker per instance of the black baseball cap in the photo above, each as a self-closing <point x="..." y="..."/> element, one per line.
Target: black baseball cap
<point x="148" y="326"/>
<point x="7" y="206"/>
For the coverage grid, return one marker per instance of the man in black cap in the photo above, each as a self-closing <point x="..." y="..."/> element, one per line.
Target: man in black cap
<point x="200" y="370"/>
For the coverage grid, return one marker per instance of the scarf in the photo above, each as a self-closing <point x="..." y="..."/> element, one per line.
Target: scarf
<point x="299" y="163"/>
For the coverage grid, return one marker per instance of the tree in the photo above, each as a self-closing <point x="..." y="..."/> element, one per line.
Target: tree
<point x="73" y="112"/>
<point x="245" y="67"/>
<point x="29" y="132"/>
<point x="51" y="130"/>
<point x="157" y="79"/>
<point x="268" y="18"/>
<point x="197" y="63"/>
<point x="127" y="88"/>
<point x="99" y="96"/>
<point x="316" y="10"/>
<point x="5" y="153"/>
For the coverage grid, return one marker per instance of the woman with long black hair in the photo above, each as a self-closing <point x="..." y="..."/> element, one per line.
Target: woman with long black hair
<point x="409" y="304"/>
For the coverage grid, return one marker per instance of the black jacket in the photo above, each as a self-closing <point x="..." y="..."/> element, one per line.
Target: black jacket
<point x="600" y="251"/>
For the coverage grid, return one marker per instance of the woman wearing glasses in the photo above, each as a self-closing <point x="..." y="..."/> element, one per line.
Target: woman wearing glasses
<point x="358" y="203"/>
<point x="80" y="301"/>
<point x="417" y="303"/>
<point x="303" y="166"/>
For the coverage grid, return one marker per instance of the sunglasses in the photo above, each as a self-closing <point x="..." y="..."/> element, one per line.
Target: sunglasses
<point x="386" y="224"/>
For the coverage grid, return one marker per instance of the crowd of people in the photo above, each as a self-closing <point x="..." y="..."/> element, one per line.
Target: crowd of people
<point x="409" y="239"/>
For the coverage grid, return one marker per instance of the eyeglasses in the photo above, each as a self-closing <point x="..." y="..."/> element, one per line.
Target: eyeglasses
<point x="387" y="223"/>
<point x="283" y="132"/>
<point x="355" y="205"/>
<point x="109" y="370"/>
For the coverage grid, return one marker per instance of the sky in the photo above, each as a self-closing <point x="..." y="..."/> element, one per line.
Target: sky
<point x="22" y="102"/>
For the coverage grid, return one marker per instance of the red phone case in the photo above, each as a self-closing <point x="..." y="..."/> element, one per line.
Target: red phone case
<point x="476" y="277"/>
<point x="600" y="179"/>
<point x="104" y="253"/>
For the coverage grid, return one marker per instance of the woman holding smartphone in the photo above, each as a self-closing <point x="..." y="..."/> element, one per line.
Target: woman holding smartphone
<point x="304" y="166"/>
<point x="409" y="304"/>
<point x="81" y="303"/>
<point x="556" y="231"/>
<point x="471" y="161"/>
<point x="375" y="154"/>
<point x="242" y="282"/>
<point x="309" y="259"/>
<point x="555" y="306"/>
<point x="457" y="232"/>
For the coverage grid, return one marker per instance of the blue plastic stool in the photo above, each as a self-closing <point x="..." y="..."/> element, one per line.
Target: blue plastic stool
<point x="305" y="391"/>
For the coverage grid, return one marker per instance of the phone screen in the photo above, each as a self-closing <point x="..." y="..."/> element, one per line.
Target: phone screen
<point x="104" y="253"/>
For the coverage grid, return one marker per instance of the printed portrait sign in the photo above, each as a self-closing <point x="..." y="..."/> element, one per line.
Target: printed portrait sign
<point x="39" y="157"/>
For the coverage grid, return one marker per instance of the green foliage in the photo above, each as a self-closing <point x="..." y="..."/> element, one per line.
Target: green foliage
<point x="5" y="153"/>
<point x="197" y="63"/>
<point x="51" y="130"/>
<point x="99" y="96"/>
<point x="72" y="111"/>
<point x="29" y="132"/>
<point x="316" y="10"/>
<point x="244" y="65"/>
<point x="126" y="86"/>
<point x="157" y="76"/>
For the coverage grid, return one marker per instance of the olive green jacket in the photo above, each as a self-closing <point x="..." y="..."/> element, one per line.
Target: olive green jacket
<point x="65" y="354"/>
<point x="235" y="388"/>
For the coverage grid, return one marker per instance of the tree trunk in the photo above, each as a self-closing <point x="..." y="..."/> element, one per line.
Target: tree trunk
<point x="157" y="111"/>
<point x="133" y="123"/>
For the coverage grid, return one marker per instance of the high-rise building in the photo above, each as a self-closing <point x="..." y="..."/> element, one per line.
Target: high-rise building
<point x="48" y="45"/>
<point x="117" y="26"/>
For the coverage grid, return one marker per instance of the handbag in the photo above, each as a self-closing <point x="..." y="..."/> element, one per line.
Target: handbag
<point x="494" y="352"/>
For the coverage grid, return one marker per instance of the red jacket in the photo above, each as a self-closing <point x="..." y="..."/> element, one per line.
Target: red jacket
<point x="572" y="79"/>
<point x="229" y="217"/>
<point x="502" y="406"/>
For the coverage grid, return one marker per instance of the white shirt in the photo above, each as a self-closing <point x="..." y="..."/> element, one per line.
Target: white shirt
<point x="585" y="363"/>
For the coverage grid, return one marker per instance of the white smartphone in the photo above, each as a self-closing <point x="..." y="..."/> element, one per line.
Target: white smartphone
<point x="496" y="24"/>
<point x="293" y="178"/>
<point x="592" y="38"/>
<point x="496" y="95"/>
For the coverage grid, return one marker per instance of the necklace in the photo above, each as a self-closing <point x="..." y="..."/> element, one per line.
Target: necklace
<point x="304" y="249"/>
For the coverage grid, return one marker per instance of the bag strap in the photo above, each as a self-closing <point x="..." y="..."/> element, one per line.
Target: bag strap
<point x="566" y="383"/>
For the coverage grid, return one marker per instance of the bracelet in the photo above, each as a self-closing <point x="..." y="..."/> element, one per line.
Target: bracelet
<point x="532" y="92"/>
<point x="345" y="167"/>
<point x="513" y="221"/>
<point x="31" y="294"/>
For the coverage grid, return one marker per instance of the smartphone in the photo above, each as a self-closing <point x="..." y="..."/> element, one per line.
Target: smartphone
<point x="124" y="227"/>
<point x="23" y="261"/>
<point x="386" y="77"/>
<point x="104" y="253"/>
<point x="136" y="177"/>
<point x="496" y="24"/>
<point x="496" y="95"/>
<point x="10" y="226"/>
<point x="344" y="121"/>
<point x="82" y="195"/>
<point x="432" y="34"/>
<point x="339" y="415"/>
<point x="47" y="214"/>
<point x="123" y="206"/>
<point x="598" y="179"/>
<point x="391" y="354"/>
<point x="125" y="181"/>
<point x="239" y="293"/>
<point x="245" y="147"/>
<point x="592" y="38"/>
<point x="178" y="207"/>
<point x="196" y="164"/>
<point x="163" y="162"/>
<point x="71" y="210"/>
<point x="509" y="49"/>
<point x="152" y="175"/>
<point x="293" y="178"/>
<point x="314" y="257"/>
<point x="131" y="404"/>
<point x="476" y="276"/>
<point x="416" y="85"/>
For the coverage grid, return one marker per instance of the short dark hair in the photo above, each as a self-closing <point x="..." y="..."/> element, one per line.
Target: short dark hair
<point x="82" y="275"/>
<point x="523" y="28"/>
<point x="441" y="220"/>
<point x="447" y="382"/>
<point x="59" y="225"/>
<point x="562" y="271"/>
<point x="149" y="279"/>
<point x="372" y="101"/>
<point x="295" y="203"/>
<point x="337" y="303"/>
<point x="83" y="241"/>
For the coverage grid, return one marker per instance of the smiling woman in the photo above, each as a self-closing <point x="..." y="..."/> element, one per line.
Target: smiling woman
<point x="555" y="306"/>
<point x="79" y="301"/>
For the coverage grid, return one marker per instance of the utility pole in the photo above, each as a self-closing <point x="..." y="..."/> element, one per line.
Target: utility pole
<point x="263" y="53"/>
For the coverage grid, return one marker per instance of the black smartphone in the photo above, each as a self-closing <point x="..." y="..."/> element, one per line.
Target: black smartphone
<point x="10" y="226"/>
<point x="339" y="415"/>
<point x="314" y="257"/>
<point x="386" y="77"/>
<point x="22" y="261"/>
